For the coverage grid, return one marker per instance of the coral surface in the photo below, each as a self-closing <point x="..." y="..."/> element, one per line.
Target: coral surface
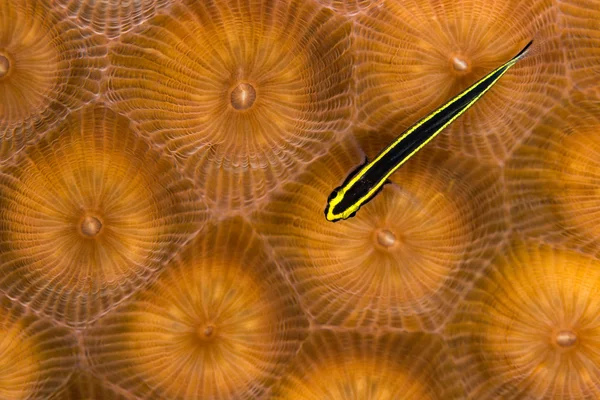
<point x="530" y="327"/>
<point x="165" y="166"/>
<point x="48" y="67"/>
<point x="89" y="214"/>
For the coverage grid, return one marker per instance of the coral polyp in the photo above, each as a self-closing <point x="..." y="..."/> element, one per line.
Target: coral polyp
<point x="90" y="213"/>
<point x="391" y="263"/>
<point x="335" y="366"/>
<point x="581" y="38"/>
<point x="36" y="358"/>
<point x="183" y="212"/>
<point x="414" y="55"/>
<point x="47" y="68"/>
<point x="259" y="89"/>
<point x="18" y="366"/>
<point x="553" y="177"/>
<point x="219" y="323"/>
<point x="530" y="326"/>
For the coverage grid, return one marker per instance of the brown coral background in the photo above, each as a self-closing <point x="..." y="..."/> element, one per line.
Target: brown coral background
<point x="165" y="164"/>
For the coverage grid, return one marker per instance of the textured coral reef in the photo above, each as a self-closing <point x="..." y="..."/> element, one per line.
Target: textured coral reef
<point x="412" y="55"/>
<point x="219" y="323"/>
<point x="89" y="214"/>
<point x="165" y="166"/>
<point x="244" y="92"/>
<point x="404" y="258"/>
<point x="350" y="7"/>
<point x="48" y="67"/>
<point x="83" y="385"/>
<point x="36" y="357"/>
<point x="530" y="328"/>
<point x="579" y="28"/>
<point x="112" y="17"/>
<point x="354" y="366"/>
<point x="553" y="177"/>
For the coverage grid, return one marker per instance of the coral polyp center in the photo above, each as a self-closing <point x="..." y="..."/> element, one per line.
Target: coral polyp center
<point x="88" y="213"/>
<point x="243" y="96"/>
<point x="4" y="66"/>
<point x="532" y="326"/>
<point x="206" y="332"/>
<point x="385" y="238"/>
<point x="218" y="323"/>
<point x="566" y="338"/>
<point x="257" y="103"/>
<point x="90" y="226"/>
<point x="460" y="64"/>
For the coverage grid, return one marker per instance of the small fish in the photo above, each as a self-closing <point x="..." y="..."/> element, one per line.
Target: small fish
<point x="367" y="180"/>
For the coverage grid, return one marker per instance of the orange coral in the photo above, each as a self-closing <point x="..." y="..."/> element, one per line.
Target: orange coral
<point x="530" y="326"/>
<point x="553" y="177"/>
<point x="112" y="17"/>
<point x="126" y="126"/>
<point x="581" y="39"/>
<point x="350" y="7"/>
<point x="47" y="68"/>
<point x="402" y="257"/>
<point x="85" y="386"/>
<point x="246" y="92"/>
<point x="36" y="357"/>
<point x="219" y="323"/>
<point x="89" y="214"/>
<point x="414" y="55"/>
<point x="343" y="366"/>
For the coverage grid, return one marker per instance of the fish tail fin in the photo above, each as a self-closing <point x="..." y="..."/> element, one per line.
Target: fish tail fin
<point x="534" y="46"/>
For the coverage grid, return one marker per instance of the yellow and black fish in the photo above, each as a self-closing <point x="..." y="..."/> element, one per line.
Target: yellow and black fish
<point x="368" y="179"/>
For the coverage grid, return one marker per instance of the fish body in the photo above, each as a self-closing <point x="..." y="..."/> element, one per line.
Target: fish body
<point x="366" y="181"/>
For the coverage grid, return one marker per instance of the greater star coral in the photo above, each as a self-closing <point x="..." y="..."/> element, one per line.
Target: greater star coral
<point x="89" y="214"/>
<point x="165" y="165"/>
<point x="553" y="178"/>
<point x="349" y="366"/>
<point x="530" y="327"/>
<point x="350" y="7"/>
<point x="112" y="17"/>
<point x="85" y="386"/>
<point x="581" y="37"/>
<point x="243" y="93"/>
<point x="404" y="258"/>
<point x="36" y="357"/>
<point x="414" y="55"/>
<point x="47" y="68"/>
<point x="220" y="322"/>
